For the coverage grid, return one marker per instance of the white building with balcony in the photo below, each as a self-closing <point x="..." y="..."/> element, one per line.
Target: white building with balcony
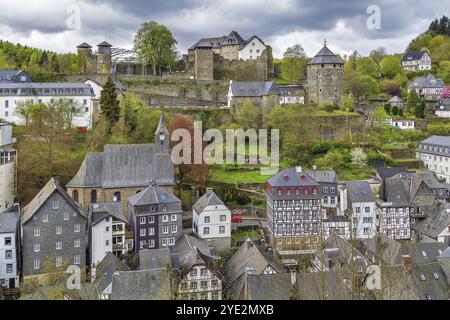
<point x="106" y="231"/>
<point x="8" y="167"/>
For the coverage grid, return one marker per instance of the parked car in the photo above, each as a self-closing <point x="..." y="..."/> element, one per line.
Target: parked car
<point x="235" y="218"/>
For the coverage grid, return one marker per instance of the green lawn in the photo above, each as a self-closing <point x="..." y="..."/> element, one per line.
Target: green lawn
<point x="237" y="177"/>
<point x="246" y="234"/>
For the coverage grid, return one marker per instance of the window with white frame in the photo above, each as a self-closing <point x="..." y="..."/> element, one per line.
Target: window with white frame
<point x="142" y="220"/>
<point x="76" y="259"/>
<point x="174" y="229"/>
<point x="164" y="242"/>
<point x="59" y="245"/>
<point x="66" y="216"/>
<point x="173" y="218"/>
<point x="165" y="229"/>
<point x="171" y="241"/>
<point x="37" y="247"/>
<point x="59" y="261"/>
<point x="152" y="243"/>
<point x="45" y="218"/>
<point x="55" y="204"/>
<point x="151" y="219"/>
<point x="37" y="231"/>
<point x="165" y="218"/>
<point x="58" y="230"/>
<point x="36" y="264"/>
<point x="77" y="243"/>
<point x="143" y="232"/>
<point x="76" y="228"/>
<point x="151" y="231"/>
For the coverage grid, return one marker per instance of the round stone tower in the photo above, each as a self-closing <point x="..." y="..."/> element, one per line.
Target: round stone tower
<point x="325" y="78"/>
<point x="104" y="58"/>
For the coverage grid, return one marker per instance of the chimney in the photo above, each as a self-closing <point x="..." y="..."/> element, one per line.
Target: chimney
<point x="117" y="272"/>
<point x="293" y="278"/>
<point x="249" y="243"/>
<point x="57" y="181"/>
<point x="263" y="243"/>
<point x="270" y="253"/>
<point x="407" y="263"/>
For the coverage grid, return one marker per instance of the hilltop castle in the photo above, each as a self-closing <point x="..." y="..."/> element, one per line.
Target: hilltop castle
<point x="230" y="57"/>
<point x="98" y="63"/>
<point x="325" y="78"/>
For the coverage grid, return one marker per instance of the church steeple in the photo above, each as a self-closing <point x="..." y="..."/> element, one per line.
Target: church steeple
<point x="162" y="134"/>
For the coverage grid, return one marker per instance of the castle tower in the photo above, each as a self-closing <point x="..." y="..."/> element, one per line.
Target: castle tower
<point x="84" y="52"/>
<point x="162" y="135"/>
<point x="325" y="78"/>
<point x="104" y="58"/>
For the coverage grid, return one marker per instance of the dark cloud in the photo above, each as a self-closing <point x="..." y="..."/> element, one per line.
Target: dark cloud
<point x="192" y="19"/>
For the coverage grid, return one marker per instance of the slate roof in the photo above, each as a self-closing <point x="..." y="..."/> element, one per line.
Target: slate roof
<point x="217" y="42"/>
<point x="155" y="259"/>
<point x="389" y="172"/>
<point x="325" y="56"/>
<point x="403" y="191"/>
<point x="395" y="99"/>
<point x="9" y="221"/>
<point x="35" y="204"/>
<point x="426" y="82"/>
<point x="253" y="89"/>
<point x="389" y="248"/>
<point x="153" y="195"/>
<point x="99" y="211"/>
<point x="289" y="177"/>
<point x="104" y="44"/>
<point x="122" y="166"/>
<point x="84" y="45"/>
<point x="438" y="140"/>
<point x="249" y="255"/>
<point x="141" y="285"/>
<point x="420" y="252"/>
<point x="210" y="198"/>
<point x="27" y="89"/>
<point x="105" y="270"/>
<point x="413" y="55"/>
<point x="192" y="251"/>
<point x="360" y="191"/>
<point x="10" y="76"/>
<point x="311" y="286"/>
<point x="438" y="220"/>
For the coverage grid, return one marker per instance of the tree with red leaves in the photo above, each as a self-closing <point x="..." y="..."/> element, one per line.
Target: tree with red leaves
<point x="196" y="174"/>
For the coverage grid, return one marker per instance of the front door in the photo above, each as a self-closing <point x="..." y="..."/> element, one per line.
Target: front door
<point x="12" y="283"/>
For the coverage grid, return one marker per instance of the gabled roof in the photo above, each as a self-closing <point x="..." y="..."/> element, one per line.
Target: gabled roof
<point x="153" y="195"/>
<point x="9" y="221"/>
<point x="161" y="125"/>
<point x="325" y="56"/>
<point x="192" y="251"/>
<point x="142" y="285"/>
<point x="253" y="89"/>
<point x="122" y="166"/>
<point x="248" y="257"/>
<point x="360" y="191"/>
<point x="100" y="211"/>
<point x="155" y="259"/>
<point x="208" y="199"/>
<point x="389" y="172"/>
<point x="11" y="75"/>
<point x="105" y="270"/>
<point x="233" y="38"/>
<point x="413" y="55"/>
<point x="438" y="220"/>
<point x="426" y="82"/>
<point x="404" y="190"/>
<point x="51" y="187"/>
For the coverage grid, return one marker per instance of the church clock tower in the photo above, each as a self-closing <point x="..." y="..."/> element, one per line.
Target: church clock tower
<point x="162" y="135"/>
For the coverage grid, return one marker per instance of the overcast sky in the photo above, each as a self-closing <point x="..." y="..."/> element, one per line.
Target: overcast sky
<point x="53" y="24"/>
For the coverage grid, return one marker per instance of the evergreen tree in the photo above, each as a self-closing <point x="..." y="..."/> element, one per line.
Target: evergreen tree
<point x="419" y="111"/>
<point x="413" y="100"/>
<point x="387" y="108"/>
<point x="400" y="112"/>
<point x="395" y="110"/>
<point x="109" y="105"/>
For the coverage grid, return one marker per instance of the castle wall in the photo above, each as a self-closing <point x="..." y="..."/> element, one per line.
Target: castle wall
<point x="204" y="64"/>
<point x="325" y="84"/>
